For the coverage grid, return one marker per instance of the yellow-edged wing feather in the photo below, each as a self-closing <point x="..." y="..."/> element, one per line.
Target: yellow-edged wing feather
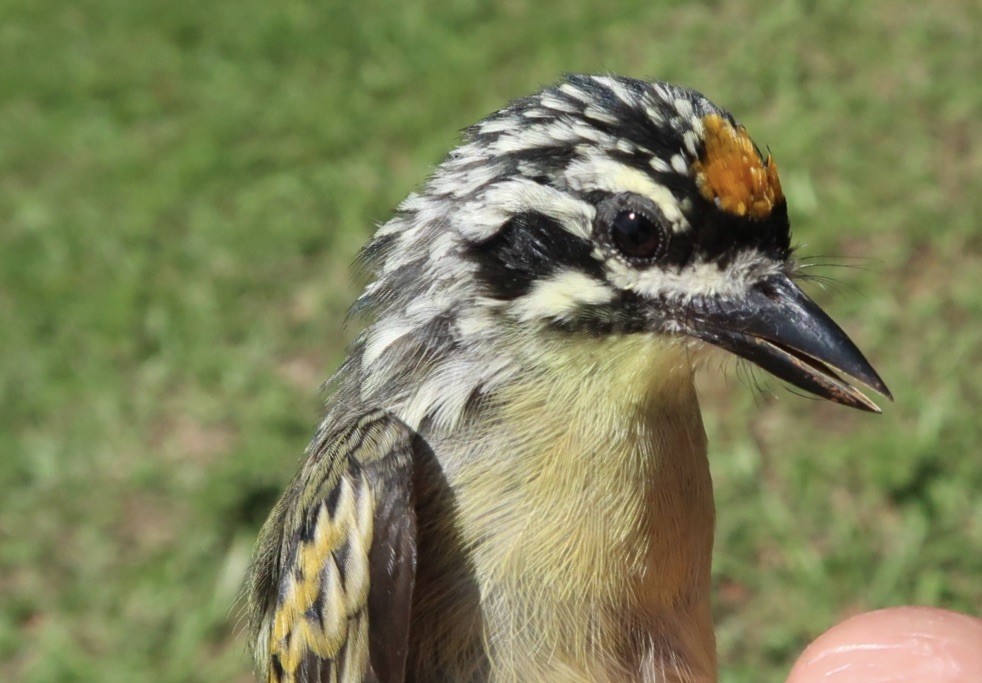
<point x="331" y="587"/>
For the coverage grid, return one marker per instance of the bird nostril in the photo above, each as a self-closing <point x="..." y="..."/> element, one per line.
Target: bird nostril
<point x="768" y="289"/>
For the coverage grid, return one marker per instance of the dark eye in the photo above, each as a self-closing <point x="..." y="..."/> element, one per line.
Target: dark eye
<point x="636" y="235"/>
<point x="632" y="227"/>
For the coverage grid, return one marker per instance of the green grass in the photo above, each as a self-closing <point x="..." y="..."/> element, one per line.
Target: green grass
<point x="183" y="186"/>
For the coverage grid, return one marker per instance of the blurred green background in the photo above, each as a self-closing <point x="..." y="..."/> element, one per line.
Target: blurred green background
<point x="184" y="185"/>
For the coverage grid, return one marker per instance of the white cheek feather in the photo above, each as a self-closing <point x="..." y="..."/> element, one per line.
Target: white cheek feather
<point x="446" y="391"/>
<point x="444" y="394"/>
<point x="599" y="172"/>
<point x="560" y="295"/>
<point x="699" y="279"/>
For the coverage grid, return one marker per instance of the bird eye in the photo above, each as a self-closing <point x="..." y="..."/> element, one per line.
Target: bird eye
<point x="635" y="235"/>
<point x="632" y="226"/>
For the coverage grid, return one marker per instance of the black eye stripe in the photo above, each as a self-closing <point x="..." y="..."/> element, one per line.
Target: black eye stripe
<point x="528" y="248"/>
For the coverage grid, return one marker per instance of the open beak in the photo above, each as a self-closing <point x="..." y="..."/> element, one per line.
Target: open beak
<point x="776" y="326"/>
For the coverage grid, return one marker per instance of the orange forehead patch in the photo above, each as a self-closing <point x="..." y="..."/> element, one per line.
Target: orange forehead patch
<point x="731" y="173"/>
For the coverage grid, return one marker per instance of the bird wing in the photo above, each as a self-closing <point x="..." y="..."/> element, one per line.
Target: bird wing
<point x="331" y="588"/>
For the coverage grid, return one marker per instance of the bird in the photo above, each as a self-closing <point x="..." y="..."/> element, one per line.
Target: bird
<point x="510" y="481"/>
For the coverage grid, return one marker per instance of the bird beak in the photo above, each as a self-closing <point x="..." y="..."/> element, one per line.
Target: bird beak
<point x="776" y="326"/>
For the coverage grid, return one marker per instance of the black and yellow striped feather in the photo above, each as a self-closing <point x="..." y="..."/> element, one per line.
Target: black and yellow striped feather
<point x="331" y="587"/>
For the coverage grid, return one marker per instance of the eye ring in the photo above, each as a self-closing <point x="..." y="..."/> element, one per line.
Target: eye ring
<point x="633" y="228"/>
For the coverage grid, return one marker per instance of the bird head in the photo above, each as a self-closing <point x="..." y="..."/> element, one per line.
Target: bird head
<point x="599" y="208"/>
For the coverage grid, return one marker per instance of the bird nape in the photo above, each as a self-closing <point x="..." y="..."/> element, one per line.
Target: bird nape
<point x="510" y="482"/>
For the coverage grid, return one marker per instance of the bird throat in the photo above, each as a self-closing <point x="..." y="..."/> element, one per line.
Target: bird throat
<point x="591" y="515"/>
